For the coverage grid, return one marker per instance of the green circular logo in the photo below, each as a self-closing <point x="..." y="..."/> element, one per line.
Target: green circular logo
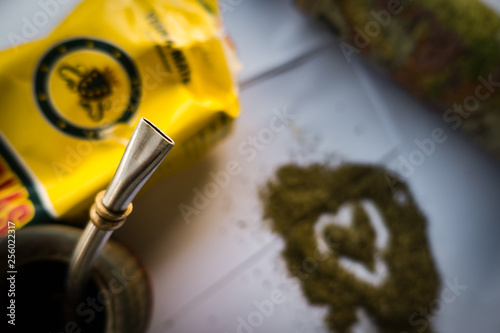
<point x="85" y="86"/>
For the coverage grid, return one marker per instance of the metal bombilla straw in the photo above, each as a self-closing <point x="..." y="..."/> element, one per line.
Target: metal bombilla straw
<point x="147" y="147"/>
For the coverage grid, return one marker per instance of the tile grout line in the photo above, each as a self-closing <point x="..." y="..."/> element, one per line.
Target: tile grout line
<point x="290" y="64"/>
<point x="378" y="105"/>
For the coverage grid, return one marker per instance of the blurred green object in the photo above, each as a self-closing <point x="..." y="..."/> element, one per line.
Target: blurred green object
<point x="445" y="52"/>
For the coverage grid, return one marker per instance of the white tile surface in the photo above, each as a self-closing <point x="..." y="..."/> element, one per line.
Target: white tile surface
<point x="268" y="34"/>
<point x="332" y="117"/>
<point x="458" y="189"/>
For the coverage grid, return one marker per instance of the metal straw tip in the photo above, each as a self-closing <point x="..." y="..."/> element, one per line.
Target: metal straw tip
<point x="153" y="126"/>
<point x="146" y="149"/>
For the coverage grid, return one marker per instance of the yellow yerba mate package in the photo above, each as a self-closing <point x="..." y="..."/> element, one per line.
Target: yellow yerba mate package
<point x="70" y="101"/>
